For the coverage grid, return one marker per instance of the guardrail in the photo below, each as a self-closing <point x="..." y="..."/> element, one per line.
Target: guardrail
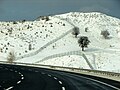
<point x="103" y="74"/>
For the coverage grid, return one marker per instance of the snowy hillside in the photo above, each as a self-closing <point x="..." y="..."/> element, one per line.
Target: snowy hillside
<point x="50" y="42"/>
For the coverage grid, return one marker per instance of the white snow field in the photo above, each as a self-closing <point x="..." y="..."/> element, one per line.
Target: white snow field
<point x="51" y="42"/>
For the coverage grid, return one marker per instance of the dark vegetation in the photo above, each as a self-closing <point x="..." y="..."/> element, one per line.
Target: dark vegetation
<point x="83" y="42"/>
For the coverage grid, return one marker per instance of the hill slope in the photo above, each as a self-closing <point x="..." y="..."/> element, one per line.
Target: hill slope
<point x="51" y="42"/>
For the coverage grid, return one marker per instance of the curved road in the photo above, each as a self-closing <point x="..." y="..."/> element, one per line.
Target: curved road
<point x="14" y="77"/>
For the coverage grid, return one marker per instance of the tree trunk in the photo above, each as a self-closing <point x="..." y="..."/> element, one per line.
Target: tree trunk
<point x="75" y="36"/>
<point x="82" y="48"/>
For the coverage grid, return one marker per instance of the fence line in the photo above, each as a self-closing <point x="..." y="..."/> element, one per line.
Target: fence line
<point x="80" y="53"/>
<point x="65" y="19"/>
<point x="46" y="45"/>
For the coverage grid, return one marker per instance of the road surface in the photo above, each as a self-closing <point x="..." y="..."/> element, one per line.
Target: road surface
<point x="14" y="77"/>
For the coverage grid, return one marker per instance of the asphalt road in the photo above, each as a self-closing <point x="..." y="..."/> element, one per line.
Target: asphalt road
<point x="13" y="77"/>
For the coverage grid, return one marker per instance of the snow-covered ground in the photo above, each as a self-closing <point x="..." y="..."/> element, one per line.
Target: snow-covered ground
<point x="51" y="42"/>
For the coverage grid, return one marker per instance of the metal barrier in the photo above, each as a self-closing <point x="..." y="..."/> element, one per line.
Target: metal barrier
<point x="104" y="74"/>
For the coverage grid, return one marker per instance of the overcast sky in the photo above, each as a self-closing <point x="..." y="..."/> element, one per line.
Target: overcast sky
<point x="31" y="9"/>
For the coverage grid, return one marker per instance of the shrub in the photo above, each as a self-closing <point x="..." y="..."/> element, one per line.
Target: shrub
<point x="86" y="29"/>
<point x="105" y="34"/>
<point x="75" y="31"/>
<point x="83" y="42"/>
<point x="14" y="22"/>
<point x="47" y="18"/>
<point x="11" y="57"/>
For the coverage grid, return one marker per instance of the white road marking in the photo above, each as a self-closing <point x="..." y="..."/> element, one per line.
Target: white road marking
<point x="16" y="71"/>
<point x="18" y="82"/>
<point x="19" y="73"/>
<point x="55" y="78"/>
<point x="22" y="75"/>
<point x="22" y="78"/>
<point x="11" y="70"/>
<point x="60" y="82"/>
<point x="9" y="88"/>
<point x="49" y="75"/>
<point x="63" y="88"/>
<point x="42" y="73"/>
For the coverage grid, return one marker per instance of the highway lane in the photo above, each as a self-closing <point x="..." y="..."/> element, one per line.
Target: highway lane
<point x="14" y="77"/>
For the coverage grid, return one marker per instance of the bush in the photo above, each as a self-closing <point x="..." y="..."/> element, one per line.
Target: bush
<point x="10" y="30"/>
<point x="47" y="18"/>
<point x="75" y="31"/>
<point x="83" y="42"/>
<point x="15" y="22"/>
<point x="11" y="57"/>
<point x="23" y="21"/>
<point x="86" y="29"/>
<point x="105" y="34"/>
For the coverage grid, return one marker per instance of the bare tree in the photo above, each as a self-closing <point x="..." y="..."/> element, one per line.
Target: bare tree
<point x="75" y="31"/>
<point x="105" y="34"/>
<point x="11" y="57"/>
<point x="83" y="42"/>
